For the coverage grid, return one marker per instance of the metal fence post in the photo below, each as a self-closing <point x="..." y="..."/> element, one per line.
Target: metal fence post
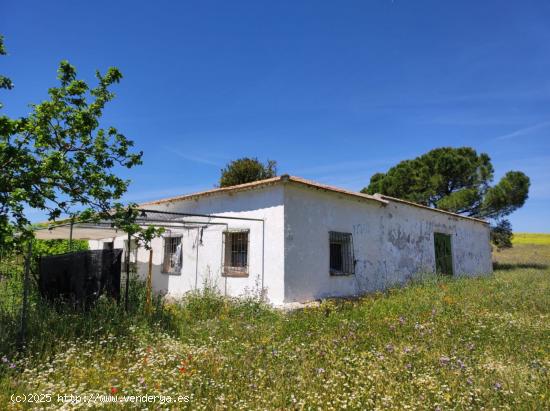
<point x="71" y="235"/>
<point x="149" y="283"/>
<point x="25" y="308"/>
<point x="127" y="272"/>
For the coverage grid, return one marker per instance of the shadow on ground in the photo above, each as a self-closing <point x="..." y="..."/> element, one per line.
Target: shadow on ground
<point x="515" y="266"/>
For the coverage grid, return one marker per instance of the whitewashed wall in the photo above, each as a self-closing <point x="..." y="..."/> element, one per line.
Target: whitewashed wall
<point x="392" y="243"/>
<point x="262" y="203"/>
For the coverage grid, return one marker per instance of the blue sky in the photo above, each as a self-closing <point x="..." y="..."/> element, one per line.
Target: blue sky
<point x="334" y="91"/>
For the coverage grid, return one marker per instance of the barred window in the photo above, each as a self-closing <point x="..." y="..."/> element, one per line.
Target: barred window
<point x="342" y="261"/>
<point x="172" y="260"/>
<point x="235" y="253"/>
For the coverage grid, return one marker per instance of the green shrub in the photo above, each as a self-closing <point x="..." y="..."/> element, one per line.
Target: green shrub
<point x="440" y="342"/>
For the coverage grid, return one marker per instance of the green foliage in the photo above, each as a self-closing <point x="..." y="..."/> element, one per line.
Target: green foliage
<point x="246" y="170"/>
<point x="508" y="195"/>
<point x="5" y="82"/>
<point x="448" y="343"/>
<point x="53" y="247"/>
<point x="50" y="323"/>
<point x="59" y="159"/>
<point x="456" y="180"/>
<point x="501" y="234"/>
<point x="529" y="251"/>
<point x="531" y="238"/>
<point x="125" y="218"/>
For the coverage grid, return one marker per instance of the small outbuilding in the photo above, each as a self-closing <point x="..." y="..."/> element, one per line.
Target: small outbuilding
<point x="295" y="240"/>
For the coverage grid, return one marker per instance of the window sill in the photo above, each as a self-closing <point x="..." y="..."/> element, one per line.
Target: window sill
<point x="171" y="272"/>
<point x="235" y="273"/>
<point x="340" y="274"/>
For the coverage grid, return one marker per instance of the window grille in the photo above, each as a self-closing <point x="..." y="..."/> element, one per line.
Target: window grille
<point x="172" y="255"/>
<point x="342" y="261"/>
<point x="235" y="253"/>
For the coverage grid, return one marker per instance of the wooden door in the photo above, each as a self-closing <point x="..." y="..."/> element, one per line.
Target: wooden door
<point x="443" y="254"/>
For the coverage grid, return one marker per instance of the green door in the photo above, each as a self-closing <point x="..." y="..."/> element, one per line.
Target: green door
<point x="443" y="254"/>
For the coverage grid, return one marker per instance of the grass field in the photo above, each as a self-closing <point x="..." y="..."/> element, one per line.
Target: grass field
<point x="441" y="344"/>
<point x="525" y="254"/>
<point x="531" y="238"/>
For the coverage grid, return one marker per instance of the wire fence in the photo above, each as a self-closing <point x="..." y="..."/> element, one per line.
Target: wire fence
<point x="21" y="299"/>
<point x="11" y="294"/>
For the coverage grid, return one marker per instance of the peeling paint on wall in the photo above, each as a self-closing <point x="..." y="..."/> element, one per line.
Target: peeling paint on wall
<point x="392" y="243"/>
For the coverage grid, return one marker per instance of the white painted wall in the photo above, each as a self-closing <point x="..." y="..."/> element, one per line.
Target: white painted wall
<point x="262" y="203"/>
<point x="392" y="243"/>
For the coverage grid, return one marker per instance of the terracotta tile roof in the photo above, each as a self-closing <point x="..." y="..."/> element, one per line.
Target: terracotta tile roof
<point x="285" y="178"/>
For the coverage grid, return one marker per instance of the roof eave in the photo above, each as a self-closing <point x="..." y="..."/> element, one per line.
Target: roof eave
<point x="283" y="179"/>
<point x="437" y="210"/>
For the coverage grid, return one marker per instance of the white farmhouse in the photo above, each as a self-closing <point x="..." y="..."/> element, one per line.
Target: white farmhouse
<point x="297" y="240"/>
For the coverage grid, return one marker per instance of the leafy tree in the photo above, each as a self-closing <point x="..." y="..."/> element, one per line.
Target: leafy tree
<point x="246" y="170"/>
<point x="501" y="234"/>
<point x="59" y="159"/>
<point x="52" y="247"/>
<point x="457" y="180"/>
<point x="5" y="82"/>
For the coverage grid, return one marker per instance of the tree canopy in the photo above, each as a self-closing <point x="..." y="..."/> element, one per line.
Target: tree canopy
<point x="246" y="170"/>
<point x="5" y="82"/>
<point x="457" y="180"/>
<point x="501" y="234"/>
<point x="59" y="160"/>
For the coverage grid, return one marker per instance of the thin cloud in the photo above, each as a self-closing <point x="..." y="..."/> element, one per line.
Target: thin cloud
<point x="471" y="118"/>
<point x="449" y="100"/>
<point x="194" y="158"/>
<point x="524" y="131"/>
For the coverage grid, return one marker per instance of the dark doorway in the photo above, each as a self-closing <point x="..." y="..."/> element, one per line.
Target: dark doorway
<point x="342" y="261"/>
<point x="443" y="254"/>
<point x="336" y="263"/>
